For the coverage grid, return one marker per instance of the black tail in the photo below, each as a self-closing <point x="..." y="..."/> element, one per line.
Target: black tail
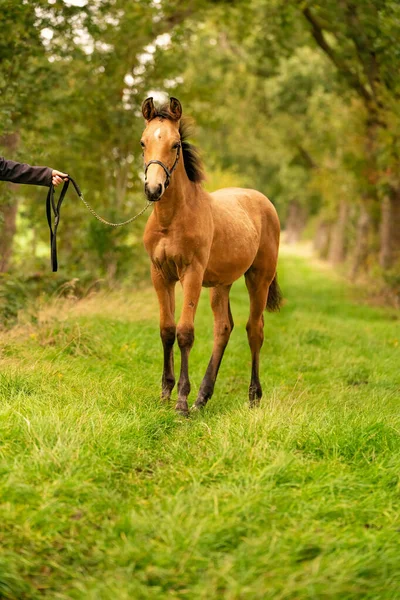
<point x="274" y="300"/>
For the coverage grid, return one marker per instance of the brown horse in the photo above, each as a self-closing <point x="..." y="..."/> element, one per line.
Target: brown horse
<point x="206" y="240"/>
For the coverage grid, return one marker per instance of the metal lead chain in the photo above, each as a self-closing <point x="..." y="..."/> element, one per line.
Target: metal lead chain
<point x="99" y="218"/>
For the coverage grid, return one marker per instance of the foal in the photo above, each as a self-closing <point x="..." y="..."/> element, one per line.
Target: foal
<point x="206" y="240"/>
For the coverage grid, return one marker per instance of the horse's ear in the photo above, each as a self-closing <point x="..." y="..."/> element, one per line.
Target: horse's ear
<point x="175" y="108"/>
<point x="148" y="109"/>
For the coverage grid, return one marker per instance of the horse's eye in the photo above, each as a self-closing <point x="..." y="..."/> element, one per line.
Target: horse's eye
<point x="142" y="143"/>
<point x="176" y="146"/>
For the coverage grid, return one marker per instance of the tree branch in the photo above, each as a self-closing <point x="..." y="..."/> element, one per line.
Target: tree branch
<point x="307" y="158"/>
<point x="340" y="64"/>
<point x="364" y="46"/>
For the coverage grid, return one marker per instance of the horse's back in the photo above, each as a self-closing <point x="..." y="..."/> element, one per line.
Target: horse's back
<point x="233" y="203"/>
<point x="258" y="207"/>
<point x="246" y="231"/>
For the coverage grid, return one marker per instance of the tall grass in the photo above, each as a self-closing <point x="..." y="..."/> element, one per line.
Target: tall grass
<point x="105" y="493"/>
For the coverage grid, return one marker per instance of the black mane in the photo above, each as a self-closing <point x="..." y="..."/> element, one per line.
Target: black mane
<point x="191" y="156"/>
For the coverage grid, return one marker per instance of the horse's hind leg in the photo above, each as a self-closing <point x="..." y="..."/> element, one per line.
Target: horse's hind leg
<point x="257" y="285"/>
<point x="223" y="325"/>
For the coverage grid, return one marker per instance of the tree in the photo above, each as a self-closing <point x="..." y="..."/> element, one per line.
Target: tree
<point x="360" y="40"/>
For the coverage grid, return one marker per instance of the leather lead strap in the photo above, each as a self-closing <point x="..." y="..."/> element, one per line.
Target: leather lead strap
<point x="53" y="208"/>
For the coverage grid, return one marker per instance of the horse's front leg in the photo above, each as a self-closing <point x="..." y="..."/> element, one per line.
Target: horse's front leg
<point x="191" y="283"/>
<point x="166" y="297"/>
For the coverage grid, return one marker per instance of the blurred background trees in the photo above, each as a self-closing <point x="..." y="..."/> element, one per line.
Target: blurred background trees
<point x="297" y="99"/>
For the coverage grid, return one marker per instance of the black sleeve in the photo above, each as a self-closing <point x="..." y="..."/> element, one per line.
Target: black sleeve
<point x="21" y="173"/>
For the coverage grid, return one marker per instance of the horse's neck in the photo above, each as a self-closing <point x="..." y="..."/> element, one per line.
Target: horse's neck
<point x="179" y="193"/>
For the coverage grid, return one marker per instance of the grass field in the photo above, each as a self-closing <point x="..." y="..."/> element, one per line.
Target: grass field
<point x="106" y="494"/>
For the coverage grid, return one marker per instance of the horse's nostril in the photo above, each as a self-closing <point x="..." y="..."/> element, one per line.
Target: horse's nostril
<point x="153" y="193"/>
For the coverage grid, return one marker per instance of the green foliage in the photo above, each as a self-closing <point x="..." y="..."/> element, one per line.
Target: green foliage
<point x="296" y="100"/>
<point x="26" y="292"/>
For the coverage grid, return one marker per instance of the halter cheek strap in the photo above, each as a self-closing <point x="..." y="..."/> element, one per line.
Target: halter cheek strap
<point x="168" y="172"/>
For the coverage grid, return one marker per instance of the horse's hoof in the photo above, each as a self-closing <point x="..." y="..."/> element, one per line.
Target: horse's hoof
<point x="254" y="402"/>
<point x="199" y="405"/>
<point x="182" y="408"/>
<point x="195" y="409"/>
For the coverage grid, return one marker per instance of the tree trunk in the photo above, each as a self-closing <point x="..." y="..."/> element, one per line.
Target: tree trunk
<point x="337" y="246"/>
<point x="8" y="215"/>
<point x="370" y="199"/>
<point x="111" y="266"/>
<point x="362" y="242"/>
<point x="389" y="253"/>
<point x="321" y="239"/>
<point x="295" y="222"/>
<point x="121" y="185"/>
<point x="8" y="209"/>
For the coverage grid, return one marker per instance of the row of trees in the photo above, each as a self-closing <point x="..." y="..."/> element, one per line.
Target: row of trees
<point x="298" y="99"/>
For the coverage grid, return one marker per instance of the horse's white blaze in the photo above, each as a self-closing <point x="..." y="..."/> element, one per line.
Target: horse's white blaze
<point x="155" y="177"/>
<point x="157" y="132"/>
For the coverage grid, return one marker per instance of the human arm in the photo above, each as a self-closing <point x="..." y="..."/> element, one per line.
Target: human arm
<point x="22" y="173"/>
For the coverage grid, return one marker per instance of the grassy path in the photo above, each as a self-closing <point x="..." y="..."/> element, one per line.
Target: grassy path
<point x="105" y="494"/>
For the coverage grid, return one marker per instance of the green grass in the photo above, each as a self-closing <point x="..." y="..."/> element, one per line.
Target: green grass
<point x="106" y="494"/>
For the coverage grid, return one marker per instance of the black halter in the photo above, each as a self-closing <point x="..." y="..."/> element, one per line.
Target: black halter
<point x="168" y="172"/>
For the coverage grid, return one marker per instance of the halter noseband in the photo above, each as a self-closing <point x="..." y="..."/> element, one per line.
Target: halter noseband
<point x="168" y="172"/>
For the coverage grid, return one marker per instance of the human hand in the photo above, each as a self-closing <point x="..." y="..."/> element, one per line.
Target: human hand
<point x="58" y="177"/>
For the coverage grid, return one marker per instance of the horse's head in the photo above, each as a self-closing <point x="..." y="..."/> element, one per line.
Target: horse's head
<point x="161" y="145"/>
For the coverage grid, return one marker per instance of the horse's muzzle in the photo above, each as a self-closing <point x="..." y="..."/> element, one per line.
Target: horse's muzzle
<point x="153" y="194"/>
